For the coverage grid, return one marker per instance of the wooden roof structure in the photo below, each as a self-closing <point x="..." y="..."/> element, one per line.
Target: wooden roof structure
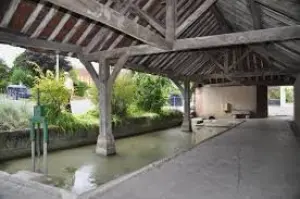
<point x="228" y="42"/>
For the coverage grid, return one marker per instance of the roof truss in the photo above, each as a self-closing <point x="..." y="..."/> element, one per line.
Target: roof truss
<point x="239" y="38"/>
<point x="105" y="15"/>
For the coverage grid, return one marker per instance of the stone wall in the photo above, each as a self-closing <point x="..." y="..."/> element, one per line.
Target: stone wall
<point x="17" y="144"/>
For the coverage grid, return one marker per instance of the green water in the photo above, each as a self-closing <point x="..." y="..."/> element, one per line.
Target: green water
<point x="80" y="169"/>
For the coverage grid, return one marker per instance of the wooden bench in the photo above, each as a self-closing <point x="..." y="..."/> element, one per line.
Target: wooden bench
<point x="241" y="114"/>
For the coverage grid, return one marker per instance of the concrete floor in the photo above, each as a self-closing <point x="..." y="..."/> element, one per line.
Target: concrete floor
<point x="257" y="160"/>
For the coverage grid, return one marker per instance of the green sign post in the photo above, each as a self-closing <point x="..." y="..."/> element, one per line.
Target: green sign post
<point x="39" y="120"/>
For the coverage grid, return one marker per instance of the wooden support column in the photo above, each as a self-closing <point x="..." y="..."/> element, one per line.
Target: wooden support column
<point x="186" y="124"/>
<point x="106" y="142"/>
<point x="104" y="82"/>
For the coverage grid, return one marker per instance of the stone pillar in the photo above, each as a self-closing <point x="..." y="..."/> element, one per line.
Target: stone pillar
<point x="262" y="101"/>
<point x="297" y="102"/>
<point x="282" y="96"/>
<point x="186" y="124"/>
<point x="105" y="143"/>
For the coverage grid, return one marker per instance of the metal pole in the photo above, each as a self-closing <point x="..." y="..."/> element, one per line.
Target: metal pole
<point x="57" y="66"/>
<point x="38" y="147"/>
<point x="45" y="149"/>
<point x="32" y="135"/>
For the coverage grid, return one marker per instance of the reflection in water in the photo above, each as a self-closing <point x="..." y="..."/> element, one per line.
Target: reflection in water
<point x="83" y="170"/>
<point x="83" y="180"/>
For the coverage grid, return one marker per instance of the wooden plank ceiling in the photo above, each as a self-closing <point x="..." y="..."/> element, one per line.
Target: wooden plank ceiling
<point x="267" y="63"/>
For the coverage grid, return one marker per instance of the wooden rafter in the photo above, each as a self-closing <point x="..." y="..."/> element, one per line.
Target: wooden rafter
<point x="59" y="27"/>
<point x="33" y="17"/>
<point x="191" y="19"/>
<point x="231" y="39"/>
<point x="100" y="13"/>
<point x="10" y="12"/>
<point x="171" y="12"/>
<point x="152" y="21"/>
<point x="13" y="39"/>
<point x="44" y="22"/>
<point x="256" y="14"/>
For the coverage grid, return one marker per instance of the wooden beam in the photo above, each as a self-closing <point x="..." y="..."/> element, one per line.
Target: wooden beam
<point x="101" y="33"/>
<point x="120" y="37"/>
<point x="22" y="41"/>
<point x="171" y="12"/>
<point x="100" y="13"/>
<point x="219" y="66"/>
<point x="90" y="68"/>
<point x="191" y="19"/>
<point x="248" y="74"/>
<point x="215" y="41"/>
<point x="256" y="14"/>
<point x="10" y="12"/>
<point x="239" y="60"/>
<point x="178" y="85"/>
<point x="153" y="22"/>
<point x="117" y="68"/>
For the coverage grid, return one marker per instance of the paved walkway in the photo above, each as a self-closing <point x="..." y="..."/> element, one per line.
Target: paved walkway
<point x="257" y="160"/>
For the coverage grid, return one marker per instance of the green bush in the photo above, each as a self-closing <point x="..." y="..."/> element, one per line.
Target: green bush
<point x="81" y="88"/>
<point x="150" y="94"/>
<point x="23" y="76"/>
<point x="13" y="116"/>
<point x="53" y="94"/>
<point x="123" y="95"/>
<point x="4" y="75"/>
<point x="289" y="94"/>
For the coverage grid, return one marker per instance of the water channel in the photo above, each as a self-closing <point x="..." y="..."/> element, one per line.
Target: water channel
<point x="80" y="169"/>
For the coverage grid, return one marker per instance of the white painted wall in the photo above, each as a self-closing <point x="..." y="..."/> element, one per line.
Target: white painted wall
<point x="212" y="100"/>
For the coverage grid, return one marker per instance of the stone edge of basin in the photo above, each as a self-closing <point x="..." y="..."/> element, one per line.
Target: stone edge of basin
<point x="109" y="185"/>
<point x="38" y="187"/>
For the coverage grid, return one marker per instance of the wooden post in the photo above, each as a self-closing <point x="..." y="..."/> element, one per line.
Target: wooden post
<point x="105" y="143"/>
<point x="104" y="83"/>
<point x="186" y="124"/>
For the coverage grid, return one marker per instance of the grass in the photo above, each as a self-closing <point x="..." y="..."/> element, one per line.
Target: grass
<point x="14" y="116"/>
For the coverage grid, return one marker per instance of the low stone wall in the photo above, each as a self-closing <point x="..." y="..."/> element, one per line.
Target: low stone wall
<point x="17" y="144"/>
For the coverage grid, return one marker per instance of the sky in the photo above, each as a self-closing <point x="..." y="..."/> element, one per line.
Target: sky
<point x="9" y="53"/>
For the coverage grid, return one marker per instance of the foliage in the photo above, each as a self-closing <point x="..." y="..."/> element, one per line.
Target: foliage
<point x="69" y="123"/>
<point x="123" y="95"/>
<point x="13" y="117"/>
<point x="289" y="94"/>
<point x="53" y="94"/>
<point x="150" y="95"/>
<point x="45" y="61"/>
<point x="274" y="93"/>
<point x="23" y="76"/>
<point x="4" y="74"/>
<point x="81" y="88"/>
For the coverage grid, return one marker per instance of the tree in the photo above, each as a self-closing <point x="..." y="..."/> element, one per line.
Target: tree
<point x="24" y="76"/>
<point x="4" y="74"/>
<point x="44" y="61"/>
<point x="123" y="95"/>
<point x="150" y="92"/>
